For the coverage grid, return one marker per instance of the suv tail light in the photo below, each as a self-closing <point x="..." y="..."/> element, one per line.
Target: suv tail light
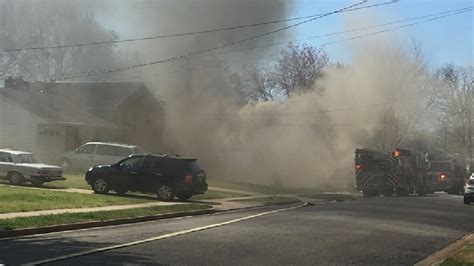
<point x="470" y="182"/>
<point x="188" y="179"/>
<point x="358" y="166"/>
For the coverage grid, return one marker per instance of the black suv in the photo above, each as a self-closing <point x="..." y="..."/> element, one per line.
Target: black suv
<point x="167" y="176"/>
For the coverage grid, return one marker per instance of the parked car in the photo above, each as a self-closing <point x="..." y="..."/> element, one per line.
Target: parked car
<point x="94" y="153"/>
<point x="469" y="190"/>
<point x="167" y="176"/>
<point x="19" y="167"/>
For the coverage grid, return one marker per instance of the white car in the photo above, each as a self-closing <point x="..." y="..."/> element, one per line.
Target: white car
<point x="19" y="167"/>
<point x="94" y="153"/>
<point x="469" y="190"/>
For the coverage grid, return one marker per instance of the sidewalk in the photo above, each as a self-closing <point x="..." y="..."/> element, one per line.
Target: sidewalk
<point x="218" y="204"/>
<point x="82" y="210"/>
<point x="89" y="191"/>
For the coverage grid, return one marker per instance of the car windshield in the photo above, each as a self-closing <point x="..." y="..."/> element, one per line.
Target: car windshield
<point x="28" y="158"/>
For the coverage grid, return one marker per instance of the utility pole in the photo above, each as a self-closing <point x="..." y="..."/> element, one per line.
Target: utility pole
<point x="469" y="134"/>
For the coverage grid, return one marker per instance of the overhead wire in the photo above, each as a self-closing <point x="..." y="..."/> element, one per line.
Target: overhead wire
<point x="164" y="36"/>
<point x="106" y="71"/>
<point x="444" y="14"/>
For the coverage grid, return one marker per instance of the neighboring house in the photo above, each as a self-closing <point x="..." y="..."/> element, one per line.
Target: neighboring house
<point x="48" y="118"/>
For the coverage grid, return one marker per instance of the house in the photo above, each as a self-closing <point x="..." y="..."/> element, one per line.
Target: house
<point x="48" y="118"/>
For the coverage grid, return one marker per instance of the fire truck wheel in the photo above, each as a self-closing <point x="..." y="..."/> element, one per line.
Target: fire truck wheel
<point x="421" y="191"/>
<point x="369" y="193"/>
<point x="455" y="191"/>
<point x="402" y="192"/>
<point x="387" y="192"/>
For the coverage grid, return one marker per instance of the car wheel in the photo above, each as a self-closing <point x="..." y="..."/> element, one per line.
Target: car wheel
<point x="121" y="190"/>
<point x="16" y="179"/>
<point x="184" y="196"/>
<point x="65" y="164"/>
<point x="37" y="183"/>
<point x="165" y="192"/>
<point x="101" y="186"/>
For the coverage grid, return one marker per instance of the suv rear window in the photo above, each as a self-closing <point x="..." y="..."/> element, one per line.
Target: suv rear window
<point x="193" y="166"/>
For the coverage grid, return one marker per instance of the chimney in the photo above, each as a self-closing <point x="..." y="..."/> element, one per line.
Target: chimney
<point x="16" y="83"/>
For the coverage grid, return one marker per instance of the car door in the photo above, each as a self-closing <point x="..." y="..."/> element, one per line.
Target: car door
<point x="131" y="173"/>
<point x="107" y="154"/>
<point x="152" y="173"/>
<point x="84" y="156"/>
<point x="5" y="161"/>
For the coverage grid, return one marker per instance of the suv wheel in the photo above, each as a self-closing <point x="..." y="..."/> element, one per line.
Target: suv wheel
<point x="16" y="179"/>
<point x="466" y="200"/>
<point x="121" y="189"/>
<point x="101" y="186"/>
<point x="184" y="196"/>
<point x="165" y="192"/>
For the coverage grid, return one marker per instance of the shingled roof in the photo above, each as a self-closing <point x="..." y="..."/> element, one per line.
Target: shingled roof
<point x="71" y="102"/>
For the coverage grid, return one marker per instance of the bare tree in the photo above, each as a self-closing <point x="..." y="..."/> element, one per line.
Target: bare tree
<point x="454" y="104"/>
<point x="49" y="23"/>
<point x="298" y="68"/>
<point x="259" y="85"/>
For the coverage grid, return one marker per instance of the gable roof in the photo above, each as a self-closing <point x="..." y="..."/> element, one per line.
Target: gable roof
<point x="92" y="95"/>
<point x="51" y="107"/>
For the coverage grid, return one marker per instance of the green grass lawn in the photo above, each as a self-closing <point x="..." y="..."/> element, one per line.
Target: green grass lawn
<point x="69" y="218"/>
<point x="270" y="200"/>
<point x="72" y="181"/>
<point x="464" y="257"/>
<point x="17" y="199"/>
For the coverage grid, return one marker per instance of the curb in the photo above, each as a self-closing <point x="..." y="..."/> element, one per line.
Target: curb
<point x="77" y="226"/>
<point x="5" y="234"/>
<point x="439" y="256"/>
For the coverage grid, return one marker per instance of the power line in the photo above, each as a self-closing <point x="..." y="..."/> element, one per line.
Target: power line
<point x="395" y="28"/>
<point x="170" y="35"/>
<point x="454" y="12"/>
<point x="100" y="72"/>
<point x="449" y="13"/>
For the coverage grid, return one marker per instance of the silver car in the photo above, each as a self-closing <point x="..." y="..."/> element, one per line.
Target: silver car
<point x="19" y="167"/>
<point x="94" y="153"/>
<point x="469" y="190"/>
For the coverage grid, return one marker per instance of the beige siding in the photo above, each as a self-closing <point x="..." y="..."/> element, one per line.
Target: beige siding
<point x="18" y="127"/>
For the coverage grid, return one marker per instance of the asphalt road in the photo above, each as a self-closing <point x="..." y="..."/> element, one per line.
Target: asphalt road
<point x="398" y="231"/>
